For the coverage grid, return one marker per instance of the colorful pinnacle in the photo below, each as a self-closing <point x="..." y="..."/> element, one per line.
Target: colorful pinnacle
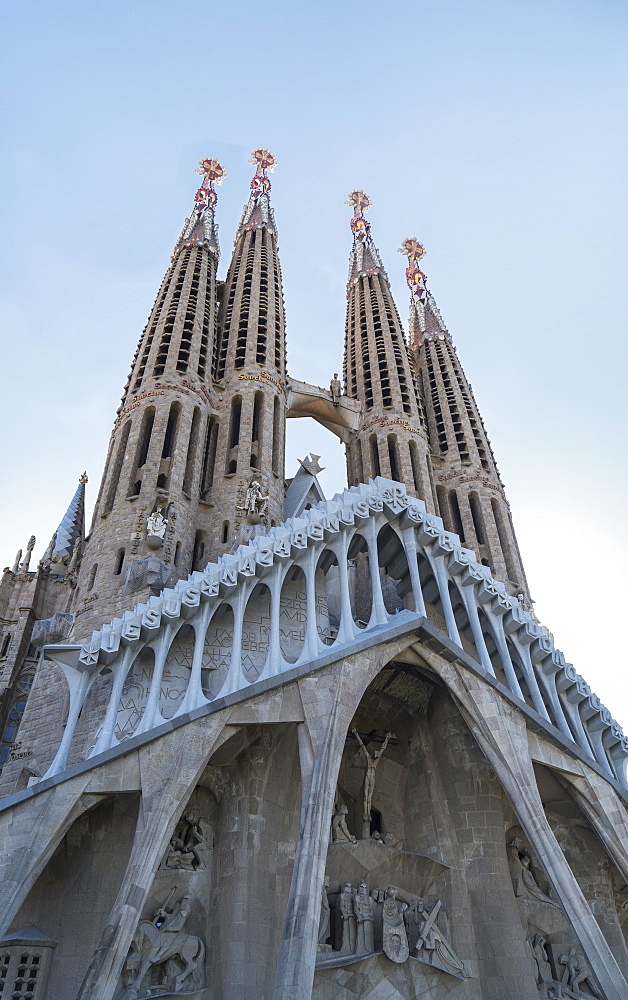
<point x="414" y="251"/>
<point x="360" y="203"/>
<point x="212" y="173"/>
<point x="264" y="161"/>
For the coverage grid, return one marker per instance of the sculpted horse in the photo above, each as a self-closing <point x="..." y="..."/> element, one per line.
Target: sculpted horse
<point x="152" y="945"/>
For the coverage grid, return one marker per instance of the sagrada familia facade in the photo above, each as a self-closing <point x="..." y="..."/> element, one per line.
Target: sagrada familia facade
<point x="261" y="745"/>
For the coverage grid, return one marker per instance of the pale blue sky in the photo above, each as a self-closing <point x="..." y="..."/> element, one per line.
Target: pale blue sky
<point x="493" y="131"/>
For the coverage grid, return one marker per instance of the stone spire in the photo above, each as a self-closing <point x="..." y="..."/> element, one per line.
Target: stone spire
<point x="70" y="533"/>
<point x="158" y="444"/>
<point x="469" y="491"/>
<point x="379" y="372"/>
<point x="250" y="367"/>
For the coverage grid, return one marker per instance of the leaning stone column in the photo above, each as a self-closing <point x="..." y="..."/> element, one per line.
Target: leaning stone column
<point x="330" y="700"/>
<point x="170" y="771"/>
<point x="502" y="736"/>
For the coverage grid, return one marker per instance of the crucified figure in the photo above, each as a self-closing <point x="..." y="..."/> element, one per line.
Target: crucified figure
<point x="369" y="775"/>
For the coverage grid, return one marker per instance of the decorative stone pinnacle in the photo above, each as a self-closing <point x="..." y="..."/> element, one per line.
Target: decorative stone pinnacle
<point x="201" y="221"/>
<point x="414" y="251"/>
<point x="83" y="479"/>
<point x="265" y="161"/>
<point x="212" y="173"/>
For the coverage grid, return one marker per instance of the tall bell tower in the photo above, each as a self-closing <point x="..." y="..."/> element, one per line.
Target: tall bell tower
<point x="150" y="521"/>
<point x="469" y="490"/>
<point x="245" y="474"/>
<point x="380" y="373"/>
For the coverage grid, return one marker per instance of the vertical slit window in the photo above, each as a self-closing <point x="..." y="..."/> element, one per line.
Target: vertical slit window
<point x="443" y="507"/>
<point x="92" y="576"/>
<point x="276" y="435"/>
<point x="224" y="533"/>
<point x="504" y="542"/>
<point x="171" y="430"/>
<point x="393" y="457"/>
<point x="190" y="459"/>
<point x="117" y="469"/>
<point x="256" y="430"/>
<point x="415" y="464"/>
<point x="234" y="426"/>
<point x="119" y="562"/>
<point x="456" y="515"/>
<point x="478" y="520"/>
<point x="375" y="467"/>
<point x="209" y="460"/>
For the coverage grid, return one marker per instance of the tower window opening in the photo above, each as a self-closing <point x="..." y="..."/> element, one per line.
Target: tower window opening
<point x="504" y="542"/>
<point x="162" y="481"/>
<point x="117" y="469"/>
<point x="190" y="459"/>
<point x="393" y="457"/>
<point x="232" y="467"/>
<point x="171" y="430"/>
<point x="92" y="576"/>
<point x="456" y="515"/>
<point x="234" y="427"/>
<point x="276" y="435"/>
<point x="209" y="459"/>
<point x="415" y="463"/>
<point x="374" y="456"/>
<point x="119" y="562"/>
<point x="477" y="518"/>
<point x="5" y="645"/>
<point x="199" y="551"/>
<point x="177" y="554"/>
<point x="147" y="430"/>
<point x="258" y="403"/>
<point x="224" y="533"/>
<point x="443" y="507"/>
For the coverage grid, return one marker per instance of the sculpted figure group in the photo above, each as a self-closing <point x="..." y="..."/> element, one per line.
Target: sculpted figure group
<point x="163" y="955"/>
<point x="571" y="978"/>
<point x="357" y="922"/>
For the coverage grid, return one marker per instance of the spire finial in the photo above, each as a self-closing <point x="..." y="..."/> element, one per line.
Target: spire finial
<point x="258" y="212"/>
<point x="414" y="251"/>
<point x="265" y="161"/>
<point x="201" y="221"/>
<point x="361" y="230"/>
<point x="83" y="479"/>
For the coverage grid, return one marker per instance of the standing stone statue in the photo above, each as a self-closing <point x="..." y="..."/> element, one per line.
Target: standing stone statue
<point x="339" y="828"/>
<point x="346" y="910"/>
<point x="577" y="972"/>
<point x="335" y="387"/>
<point x="27" y="558"/>
<point x="156" y="524"/>
<point x="536" y="944"/>
<point x="394" y="937"/>
<point x="255" y="501"/>
<point x="524" y="882"/>
<point x="324" y="921"/>
<point x="363" y="905"/>
<point x="369" y="779"/>
<point x="431" y="946"/>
